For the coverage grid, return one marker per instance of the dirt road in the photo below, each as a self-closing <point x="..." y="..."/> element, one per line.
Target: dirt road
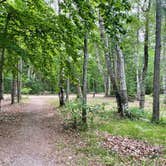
<point x="31" y="134"/>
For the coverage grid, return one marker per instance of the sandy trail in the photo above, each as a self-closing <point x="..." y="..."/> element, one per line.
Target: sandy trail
<point x="30" y="133"/>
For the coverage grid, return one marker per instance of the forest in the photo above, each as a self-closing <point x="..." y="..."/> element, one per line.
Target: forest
<point x="82" y="82"/>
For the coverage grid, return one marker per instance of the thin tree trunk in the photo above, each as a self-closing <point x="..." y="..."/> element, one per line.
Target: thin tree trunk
<point x="107" y="85"/>
<point x="61" y="74"/>
<point x="102" y="71"/>
<point x="67" y="89"/>
<point x="137" y="58"/>
<point x="123" y="87"/>
<point x="1" y="73"/>
<point x="61" y="87"/>
<point x="146" y="58"/>
<point x="156" y="78"/>
<point x="164" y="63"/>
<point x="1" y="76"/>
<point x="13" y="89"/>
<point x="61" y="97"/>
<point x="19" y="82"/>
<point x="164" y="73"/>
<point x="2" y="59"/>
<point x="85" y="65"/>
<point x="109" y="68"/>
<point x="137" y="68"/>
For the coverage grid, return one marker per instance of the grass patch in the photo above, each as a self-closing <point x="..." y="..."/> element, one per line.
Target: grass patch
<point x="95" y="153"/>
<point x="138" y="128"/>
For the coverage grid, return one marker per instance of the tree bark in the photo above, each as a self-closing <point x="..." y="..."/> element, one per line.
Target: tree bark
<point x="146" y="58"/>
<point x="156" y="78"/>
<point x="2" y="59"/>
<point x="19" y="82"/>
<point x="107" y="85"/>
<point x="13" y="89"/>
<point x="61" y="97"/>
<point x="102" y="72"/>
<point x="137" y="68"/>
<point x="1" y="73"/>
<point x="115" y="85"/>
<point x="85" y="65"/>
<point x="164" y="73"/>
<point x="67" y="89"/>
<point x="164" y="63"/>
<point x="137" y="58"/>
<point x="123" y="87"/>
<point x="61" y="73"/>
<point x="109" y="67"/>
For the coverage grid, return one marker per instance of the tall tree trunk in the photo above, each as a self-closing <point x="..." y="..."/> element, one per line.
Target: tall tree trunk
<point x="19" y="82"/>
<point x="123" y="87"/>
<point x="61" y="74"/>
<point x="164" y="62"/>
<point x="114" y="84"/>
<point x="146" y="57"/>
<point x="2" y="59"/>
<point x="85" y="66"/>
<point x="109" y="67"/>
<point x="164" y="73"/>
<point x="61" y="87"/>
<point x="102" y="72"/>
<point x="137" y="68"/>
<point x="13" y="89"/>
<point x="137" y="57"/>
<point x="1" y="75"/>
<point x="156" y="78"/>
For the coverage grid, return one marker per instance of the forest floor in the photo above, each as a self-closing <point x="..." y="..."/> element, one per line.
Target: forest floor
<point x="32" y="134"/>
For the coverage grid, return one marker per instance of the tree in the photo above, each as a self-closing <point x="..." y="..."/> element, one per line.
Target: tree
<point x="123" y="87"/>
<point x="4" y="35"/>
<point x="156" y="78"/>
<point x="164" y="60"/>
<point x="146" y="57"/>
<point x="110" y="20"/>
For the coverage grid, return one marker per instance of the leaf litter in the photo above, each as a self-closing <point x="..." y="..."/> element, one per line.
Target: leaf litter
<point x="138" y="149"/>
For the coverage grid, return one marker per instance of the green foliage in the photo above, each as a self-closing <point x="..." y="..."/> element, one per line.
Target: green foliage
<point x="137" y="113"/>
<point x="115" y="14"/>
<point x="26" y="90"/>
<point x="72" y="112"/>
<point x="138" y="129"/>
<point x="35" y="87"/>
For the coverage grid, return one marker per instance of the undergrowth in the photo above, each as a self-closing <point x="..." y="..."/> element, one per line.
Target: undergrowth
<point x="102" y="118"/>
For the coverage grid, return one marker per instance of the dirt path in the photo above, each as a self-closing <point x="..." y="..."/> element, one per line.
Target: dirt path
<point x="31" y="135"/>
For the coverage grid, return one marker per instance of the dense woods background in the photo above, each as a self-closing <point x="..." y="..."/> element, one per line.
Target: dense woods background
<point x="83" y="82"/>
<point x="82" y="47"/>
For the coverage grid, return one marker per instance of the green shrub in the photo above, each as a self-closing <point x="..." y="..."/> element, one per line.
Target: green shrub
<point x="25" y="90"/>
<point x="73" y="112"/>
<point x="136" y="113"/>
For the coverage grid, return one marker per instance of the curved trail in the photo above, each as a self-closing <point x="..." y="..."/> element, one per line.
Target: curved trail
<point x="31" y="135"/>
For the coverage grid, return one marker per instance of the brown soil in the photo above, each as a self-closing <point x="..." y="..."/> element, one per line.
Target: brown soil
<point x="32" y="135"/>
